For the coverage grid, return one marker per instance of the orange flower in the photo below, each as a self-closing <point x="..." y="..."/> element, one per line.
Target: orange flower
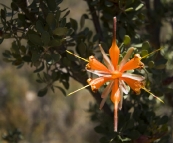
<point x="115" y="73"/>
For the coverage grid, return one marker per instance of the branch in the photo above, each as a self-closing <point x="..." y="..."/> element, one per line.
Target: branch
<point x="154" y="25"/>
<point x="95" y="20"/>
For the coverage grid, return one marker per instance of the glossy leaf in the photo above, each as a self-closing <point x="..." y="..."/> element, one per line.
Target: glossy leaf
<point x="60" y="31"/>
<point x="35" y="39"/>
<point x="45" y="37"/>
<point x="145" y="45"/>
<point x="139" y="7"/>
<point x="126" y="40"/>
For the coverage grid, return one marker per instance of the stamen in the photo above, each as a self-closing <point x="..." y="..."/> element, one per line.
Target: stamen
<point x="78" y="90"/>
<point x="151" y="53"/>
<point x="152" y="94"/>
<point x="77" y="56"/>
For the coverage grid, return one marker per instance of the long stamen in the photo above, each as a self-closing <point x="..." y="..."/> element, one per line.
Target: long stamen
<point x="78" y="90"/>
<point x="77" y="56"/>
<point x="151" y="53"/>
<point x="114" y="27"/>
<point x="152" y="94"/>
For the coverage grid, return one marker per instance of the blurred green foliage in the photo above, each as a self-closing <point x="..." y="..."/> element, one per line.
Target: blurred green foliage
<point x="49" y="32"/>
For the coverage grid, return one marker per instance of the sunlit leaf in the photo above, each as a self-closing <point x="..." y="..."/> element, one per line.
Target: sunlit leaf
<point x="60" y="31"/>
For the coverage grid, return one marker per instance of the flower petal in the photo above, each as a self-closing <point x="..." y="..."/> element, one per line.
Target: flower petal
<point x="97" y="82"/>
<point x="134" y="84"/>
<point x="100" y="73"/>
<point x="107" y="61"/>
<point x="124" y="88"/>
<point x="107" y="90"/>
<point x="133" y="63"/>
<point x="115" y="97"/>
<point x="126" y="57"/>
<point x="94" y="64"/>
<point x="114" y="50"/>
<point x="133" y="76"/>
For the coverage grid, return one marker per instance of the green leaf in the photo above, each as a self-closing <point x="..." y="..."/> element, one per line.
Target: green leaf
<point x="45" y="37"/>
<point x="129" y="124"/>
<point x="1" y="40"/>
<point x="73" y="24"/>
<point x="55" y="42"/>
<point x="100" y="129"/>
<point x="62" y="22"/>
<point x="39" y="26"/>
<point x="21" y="17"/>
<point x="139" y="7"/>
<point x="67" y="13"/>
<point x="47" y="57"/>
<point x="163" y="120"/>
<point x="50" y="19"/>
<point x="61" y="89"/>
<point x="151" y="64"/>
<point x="35" y="57"/>
<point x="51" y="4"/>
<point x="57" y="16"/>
<point x="56" y="57"/>
<point x="59" y="1"/>
<point x="82" y="21"/>
<point x="14" y="6"/>
<point x="82" y="48"/>
<point x="40" y="68"/>
<point x="60" y="31"/>
<point x="134" y="134"/>
<point x="3" y="14"/>
<point x="35" y="39"/>
<point x="26" y="58"/>
<point x="126" y="40"/>
<point x="108" y="4"/>
<point x="39" y="81"/>
<point x="42" y="92"/>
<point x="129" y="9"/>
<point x="144" y="52"/>
<point x="145" y="45"/>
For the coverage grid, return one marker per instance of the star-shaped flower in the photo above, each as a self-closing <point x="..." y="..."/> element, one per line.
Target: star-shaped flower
<point x="115" y="72"/>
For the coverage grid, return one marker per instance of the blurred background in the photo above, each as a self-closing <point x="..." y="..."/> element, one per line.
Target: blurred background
<point x="54" y="118"/>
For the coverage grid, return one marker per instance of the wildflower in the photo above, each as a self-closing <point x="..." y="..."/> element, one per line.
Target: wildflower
<point x="115" y="73"/>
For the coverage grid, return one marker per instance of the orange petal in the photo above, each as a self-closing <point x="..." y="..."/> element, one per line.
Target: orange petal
<point x="115" y="95"/>
<point x="114" y="50"/>
<point x="134" y="84"/>
<point x="114" y="53"/>
<point x="94" y="64"/>
<point x="133" y="63"/>
<point x="97" y="82"/>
